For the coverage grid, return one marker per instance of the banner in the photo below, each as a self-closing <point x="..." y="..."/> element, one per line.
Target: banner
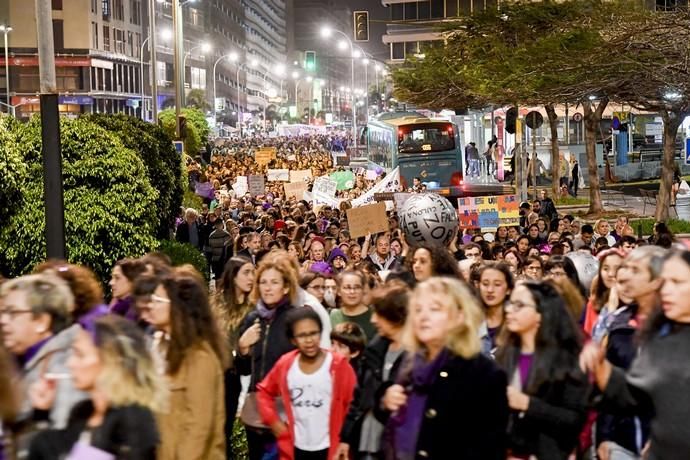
<point x="256" y="185"/>
<point x="488" y="212"/>
<point x="367" y="219"/>
<point x="240" y="186"/>
<point x="320" y="200"/>
<point x="391" y="183"/>
<point x="204" y="189"/>
<point x="295" y="189"/>
<point x="324" y="186"/>
<point x="300" y="176"/>
<point x="276" y="175"/>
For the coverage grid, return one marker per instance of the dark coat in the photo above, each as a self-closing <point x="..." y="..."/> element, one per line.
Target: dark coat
<point x="273" y="343"/>
<point x="127" y="432"/>
<point x="182" y="234"/>
<point x="550" y="426"/>
<point x="369" y="380"/>
<point x="466" y="413"/>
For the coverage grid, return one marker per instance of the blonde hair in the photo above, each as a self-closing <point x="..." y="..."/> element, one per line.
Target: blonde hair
<point x="128" y="374"/>
<point x="278" y="260"/>
<point x="463" y="340"/>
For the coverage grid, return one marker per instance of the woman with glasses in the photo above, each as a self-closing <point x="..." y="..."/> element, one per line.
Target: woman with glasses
<point x="351" y="289"/>
<point x="547" y="392"/>
<point x="193" y="359"/>
<point x="315" y="387"/>
<point x="314" y="284"/>
<point x="448" y="401"/>
<point x="109" y="362"/>
<point x="533" y="269"/>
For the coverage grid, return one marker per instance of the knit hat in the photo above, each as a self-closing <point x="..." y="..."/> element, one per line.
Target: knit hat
<point x="336" y="252"/>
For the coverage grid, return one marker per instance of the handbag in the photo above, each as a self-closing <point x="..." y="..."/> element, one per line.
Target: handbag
<point x="250" y="415"/>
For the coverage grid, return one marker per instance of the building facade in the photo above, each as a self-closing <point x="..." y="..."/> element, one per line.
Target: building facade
<point x="97" y="55"/>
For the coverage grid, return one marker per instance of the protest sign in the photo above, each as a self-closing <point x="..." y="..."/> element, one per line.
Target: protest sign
<point x="204" y="189"/>
<point x="390" y="183"/>
<point x="488" y="212"/>
<point x="400" y="199"/>
<point x="371" y="175"/>
<point x="367" y="219"/>
<point x="264" y="155"/>
<point x="344" y="179"/>
<point x="276" y="175"/>
<point x="256" y="185"/>
<point x="300" y="176"/>
<point x="325" y="186"/>
<point x="295" y="189"/>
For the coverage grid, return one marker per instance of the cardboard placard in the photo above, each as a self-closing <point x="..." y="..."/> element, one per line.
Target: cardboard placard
<point x="367" y="219"/>
<point x="263" y="156"/>
<point x="302" y="175"/>
<point x="295" y="189"/>
<point x="277" y="175"/>
<point x="256" y="185"/>
<point x="488" y="212"/>
<point x="325" y="186"/>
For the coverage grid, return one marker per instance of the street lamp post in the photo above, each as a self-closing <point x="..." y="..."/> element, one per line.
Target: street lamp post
<point x="326" y="32"/>
<point x="6" y="30"/>
<point x="141" y="76"/>
<point x="233" y="57"/>
<point x="179" y="65"/>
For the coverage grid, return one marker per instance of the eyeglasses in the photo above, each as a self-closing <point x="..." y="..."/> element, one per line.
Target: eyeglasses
<point x="517" y="306"/>
<point x="12" y="312"/>
<point x="318" y="287"/>
<point x="305" y="336"/>
<point x="159" y="299"/>
<point x="351" y="288"/>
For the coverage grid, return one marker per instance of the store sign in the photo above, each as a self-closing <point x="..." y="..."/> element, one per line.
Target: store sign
<point x="25" y="100"/>
<point x="32" y="61"/>
<point x="78" y="100"/>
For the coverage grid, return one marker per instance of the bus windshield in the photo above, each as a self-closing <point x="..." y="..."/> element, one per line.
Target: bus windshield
<point x="426" y="138"/>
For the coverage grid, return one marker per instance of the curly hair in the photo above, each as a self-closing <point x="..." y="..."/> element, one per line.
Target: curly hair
<point x="442" y="262"/>
<point x="83" y="283"/>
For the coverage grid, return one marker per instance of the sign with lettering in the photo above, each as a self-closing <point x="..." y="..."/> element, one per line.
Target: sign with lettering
<point x="300" y="176"/>
<point x="256" y="185"/>
<point x="264" y="155"/>
<point x="488" y="212"/>
<point x="295" y="189"/>
<point x="277" y="175"/>
<point x="325" y="186"/>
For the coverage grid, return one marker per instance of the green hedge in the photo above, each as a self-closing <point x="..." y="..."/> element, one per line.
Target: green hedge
<point x="184" y="253"/>
<point x="163" y="163"/>
<point x="197" y="129"/>
<point x="675" y="225"/>
<point x="110" y="206"/>
<point x="13" y="170"/>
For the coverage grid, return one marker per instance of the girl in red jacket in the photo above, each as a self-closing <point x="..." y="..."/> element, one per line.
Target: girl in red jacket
<point x="314" y="385"/>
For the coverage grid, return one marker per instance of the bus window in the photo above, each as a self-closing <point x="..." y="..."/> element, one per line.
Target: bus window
<point x="426" y="138"/>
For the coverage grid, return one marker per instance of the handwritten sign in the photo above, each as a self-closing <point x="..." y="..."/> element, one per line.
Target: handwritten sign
<point x="488" y="212"/>
<point x="367" y="219"/>
<point x="300" y="176"/>
<point x="325" y="186"/>
<point x="264" y="155"/>
<point x="256" y="185"/>
<point x="295" y="189"/>
<point x="276" y="175"/>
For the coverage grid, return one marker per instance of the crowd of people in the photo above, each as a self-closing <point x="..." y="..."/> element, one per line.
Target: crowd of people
<point x="552" y="339"/>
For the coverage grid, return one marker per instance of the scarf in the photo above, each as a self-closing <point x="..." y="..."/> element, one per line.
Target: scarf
<point x="268" y="313"/>
<point x="404" y="425"/>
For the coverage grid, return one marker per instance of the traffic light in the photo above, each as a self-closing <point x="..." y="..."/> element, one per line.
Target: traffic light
<point x="361" y="23"/>
<point x="310" y="60"/>
<point x="511" y="120"/>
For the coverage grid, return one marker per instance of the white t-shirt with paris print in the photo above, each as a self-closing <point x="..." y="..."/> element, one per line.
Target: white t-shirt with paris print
<point x="311" y="396"/>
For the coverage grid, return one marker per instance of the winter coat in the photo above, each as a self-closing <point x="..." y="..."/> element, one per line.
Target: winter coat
<point x="127" y="432"/>
<point x="276" y="385"/>
<point x="466" y="412"/>
<point x="192" y="427"/>
<point x="218" y="242"/>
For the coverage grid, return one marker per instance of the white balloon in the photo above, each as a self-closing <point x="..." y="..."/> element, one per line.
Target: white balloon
<point x="428" y="218"/>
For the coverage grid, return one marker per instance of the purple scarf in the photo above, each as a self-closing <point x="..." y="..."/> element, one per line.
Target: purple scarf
<point x="268" y="313"/>
<point x="125" y="307"/>
<point x="404" y="425"/>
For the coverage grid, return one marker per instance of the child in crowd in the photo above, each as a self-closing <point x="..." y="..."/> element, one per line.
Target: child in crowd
<point x="349" y="340"/>
<point x="313" y="385"/>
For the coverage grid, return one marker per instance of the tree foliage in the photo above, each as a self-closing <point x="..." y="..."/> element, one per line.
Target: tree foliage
<point x="196" y="99"/>
<point x="197" y="128"/>
<point x="13" y="170"/>
<point x="110" y="206"/>
<point x="163" y="164"/>
<point x="549" y="52"/>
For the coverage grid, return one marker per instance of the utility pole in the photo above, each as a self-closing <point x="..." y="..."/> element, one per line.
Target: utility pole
<point x="153" y="72"/>
<point x="179" y="64"/>
<point x="50" y="134"/>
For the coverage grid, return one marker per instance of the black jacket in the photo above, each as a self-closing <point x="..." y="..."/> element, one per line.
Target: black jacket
<point x="369" y="380"/>
<point x="621" y="350"/>
<point x="550" y="427"/>
<point x="273" y="343"/>
<point x="128" y="433"/>
<point x="466" y="412"/>
<point x="182" y="234"/>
